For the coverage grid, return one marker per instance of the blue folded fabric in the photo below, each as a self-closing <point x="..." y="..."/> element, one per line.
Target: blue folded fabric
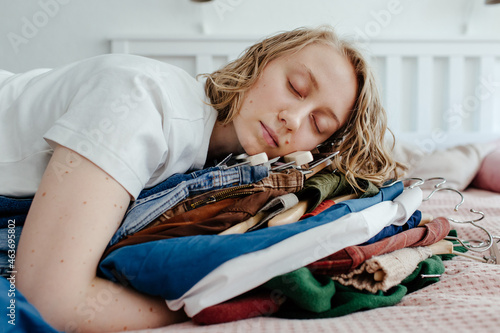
<point x="18" y="315"/>
<point x="392" y="229"/>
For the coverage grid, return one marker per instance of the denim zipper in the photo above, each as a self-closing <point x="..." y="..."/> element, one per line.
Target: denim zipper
<point x="229" y="193"/>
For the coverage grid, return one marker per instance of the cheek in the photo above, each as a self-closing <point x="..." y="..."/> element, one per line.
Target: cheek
<point x="251" y="105"/>
<point x="304" y="142"/>
<point x="267" y="93"/>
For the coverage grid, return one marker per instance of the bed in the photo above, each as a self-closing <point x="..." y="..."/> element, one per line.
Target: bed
<point x="443" y="102"/>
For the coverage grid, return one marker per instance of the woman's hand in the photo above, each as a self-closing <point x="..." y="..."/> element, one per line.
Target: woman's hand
<point x="76" y="210"/>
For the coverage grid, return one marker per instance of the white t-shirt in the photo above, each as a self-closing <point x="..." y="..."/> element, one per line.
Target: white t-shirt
<point x="138" y="119"/>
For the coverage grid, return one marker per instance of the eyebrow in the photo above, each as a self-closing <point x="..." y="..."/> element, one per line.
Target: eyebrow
<point x="316" y="86"/>
<point x="311" y="77"/>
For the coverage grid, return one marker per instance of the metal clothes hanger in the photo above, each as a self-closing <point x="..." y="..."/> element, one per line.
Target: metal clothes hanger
<point x="481" y="246"/>
<point x="472" y="245"/>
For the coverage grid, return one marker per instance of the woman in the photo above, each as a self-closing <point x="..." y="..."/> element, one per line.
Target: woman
<point x="90" y="136"/>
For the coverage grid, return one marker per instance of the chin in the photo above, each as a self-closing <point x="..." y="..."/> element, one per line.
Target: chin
<point x="251" y="152"/>
<point x="272" y="155"/>
<point x="251" y="149"/>
<point x="257" y="150"/>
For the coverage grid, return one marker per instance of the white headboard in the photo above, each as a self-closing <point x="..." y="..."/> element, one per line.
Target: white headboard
<point x="436" y="92"/>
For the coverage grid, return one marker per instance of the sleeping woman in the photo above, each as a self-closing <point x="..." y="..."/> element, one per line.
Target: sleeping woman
<point x="86" y="138"/>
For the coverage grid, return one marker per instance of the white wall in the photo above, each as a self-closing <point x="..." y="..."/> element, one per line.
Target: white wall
<point x="50" y="33"/>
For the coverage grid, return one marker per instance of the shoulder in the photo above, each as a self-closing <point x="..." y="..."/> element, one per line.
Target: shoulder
<point x="114" y="75"/>
<point x="147" y="73"/>
<point x="134" y="65"/>
<point x="122" y="69"/>
<point x="117" y="61"/>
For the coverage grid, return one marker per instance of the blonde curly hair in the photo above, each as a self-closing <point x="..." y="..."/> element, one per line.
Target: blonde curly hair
<point x="363" y="154"/>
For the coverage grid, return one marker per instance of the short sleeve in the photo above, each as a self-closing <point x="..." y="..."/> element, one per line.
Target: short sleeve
<point x="115" y="120"/>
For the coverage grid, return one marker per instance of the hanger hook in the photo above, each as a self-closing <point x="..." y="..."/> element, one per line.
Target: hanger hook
<point x="390" y="184"/>
<point x="419" y="181"/>
<point x="443" y="180"/>
<point x="481" y="247"/>
<point x="470" y="221"/>
<point x="437" y="189"/>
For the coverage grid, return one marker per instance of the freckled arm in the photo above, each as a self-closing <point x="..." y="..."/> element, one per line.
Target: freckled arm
<point x="76" y="210"/>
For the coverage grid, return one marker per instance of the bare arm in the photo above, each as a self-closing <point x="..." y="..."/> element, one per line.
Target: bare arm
<point x="76" y="210"/>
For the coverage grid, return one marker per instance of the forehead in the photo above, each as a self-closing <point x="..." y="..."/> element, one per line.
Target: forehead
<point x="322" y="57"/>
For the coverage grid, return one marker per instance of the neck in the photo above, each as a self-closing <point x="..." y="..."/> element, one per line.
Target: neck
<point x="223" y="141"/>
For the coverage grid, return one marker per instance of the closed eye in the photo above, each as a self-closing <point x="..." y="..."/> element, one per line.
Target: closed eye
<point x="294" y="90"/>
<point x="315" y="123"/>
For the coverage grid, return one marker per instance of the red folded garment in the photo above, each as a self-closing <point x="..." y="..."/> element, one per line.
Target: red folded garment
<point x="249" y="305"/>
<point x="351" y="257"/>
<point x="324" y="205"/>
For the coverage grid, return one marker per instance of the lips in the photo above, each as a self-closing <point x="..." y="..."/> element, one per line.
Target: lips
<point x="269" y="136"/>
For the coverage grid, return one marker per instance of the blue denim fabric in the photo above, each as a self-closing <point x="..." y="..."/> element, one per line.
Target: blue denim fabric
<point x="14" y="234"/>
<point x="13" y="209"/>
<point x="174" y="180"/>
<point x="165" y="196"/>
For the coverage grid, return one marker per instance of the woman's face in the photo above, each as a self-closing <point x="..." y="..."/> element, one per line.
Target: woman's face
<point x="298" y="102"/>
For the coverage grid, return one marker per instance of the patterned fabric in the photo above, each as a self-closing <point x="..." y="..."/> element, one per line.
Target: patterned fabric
<point x="395" y="266"/>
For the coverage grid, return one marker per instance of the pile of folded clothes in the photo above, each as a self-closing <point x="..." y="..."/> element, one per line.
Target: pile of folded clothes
<point x="226" y="243"/>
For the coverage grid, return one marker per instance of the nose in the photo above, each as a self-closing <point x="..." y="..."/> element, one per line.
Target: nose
<point x="293" y="118"/>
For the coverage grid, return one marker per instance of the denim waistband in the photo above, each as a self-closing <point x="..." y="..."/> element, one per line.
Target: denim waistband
<point x="159" y="199"/>
<point x="174" y="180"/>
